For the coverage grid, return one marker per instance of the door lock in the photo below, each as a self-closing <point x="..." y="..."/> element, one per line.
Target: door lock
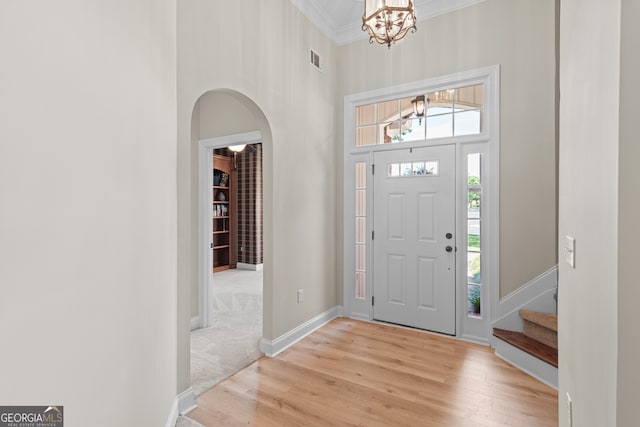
<point x="448" y="235"/>
<point x="448" y="249"/>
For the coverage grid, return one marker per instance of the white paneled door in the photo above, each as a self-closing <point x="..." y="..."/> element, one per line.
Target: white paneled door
<point x="414" y="237"/>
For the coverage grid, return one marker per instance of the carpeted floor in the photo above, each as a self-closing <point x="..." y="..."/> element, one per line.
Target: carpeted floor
<point x="232" y="340"/>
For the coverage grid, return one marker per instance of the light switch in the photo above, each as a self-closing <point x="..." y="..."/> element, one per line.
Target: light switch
<point x="570" y="251"/>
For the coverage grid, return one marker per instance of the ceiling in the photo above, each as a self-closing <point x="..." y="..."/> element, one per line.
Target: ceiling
<point x="341" y="20"/>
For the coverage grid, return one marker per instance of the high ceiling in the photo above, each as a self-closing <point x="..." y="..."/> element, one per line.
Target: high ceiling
<point x="341" y="20"/>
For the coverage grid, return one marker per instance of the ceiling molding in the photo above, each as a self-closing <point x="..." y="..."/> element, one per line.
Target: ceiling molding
<point x="341" y="20"/>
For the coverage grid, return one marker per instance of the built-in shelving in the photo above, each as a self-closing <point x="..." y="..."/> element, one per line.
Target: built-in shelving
<point x="224" y="232"/>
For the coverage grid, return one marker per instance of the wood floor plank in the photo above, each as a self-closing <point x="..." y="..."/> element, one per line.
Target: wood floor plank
<point x="352" y="373"/>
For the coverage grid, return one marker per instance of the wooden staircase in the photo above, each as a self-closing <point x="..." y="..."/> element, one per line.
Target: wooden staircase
<point x="538" y="339"/>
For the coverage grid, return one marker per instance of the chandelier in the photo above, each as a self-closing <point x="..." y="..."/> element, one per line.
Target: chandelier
<point x="388" y="20"/>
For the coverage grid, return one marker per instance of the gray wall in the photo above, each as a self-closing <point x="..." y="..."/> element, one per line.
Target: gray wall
<point x="265" y="65"/>
<point x="88" y="210"/>
<point x="588" y="210"/>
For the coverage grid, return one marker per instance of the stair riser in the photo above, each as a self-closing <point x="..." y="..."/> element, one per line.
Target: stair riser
<point x="540" y="333"/>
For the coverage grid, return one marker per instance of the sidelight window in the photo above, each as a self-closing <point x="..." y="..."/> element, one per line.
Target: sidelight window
<point x="361" y="230"/>
<point x="474" y="234"/>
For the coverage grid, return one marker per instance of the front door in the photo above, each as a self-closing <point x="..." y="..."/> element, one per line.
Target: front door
<point x="414" y="238"/>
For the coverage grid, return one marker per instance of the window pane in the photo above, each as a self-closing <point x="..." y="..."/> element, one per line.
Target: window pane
<point x="388" y="111"/>
<point x="431" y="168"/>
<point x="392" y="132"/>
<point x="361" y="257"/>
<point x="473" y="169"/>
<point x="467" y="123"/>
<point x="361" y="175"/>
<point x="361" y="230"/>
<point x="474" y="301"/>
<point x="361" y="202"/>
<point x="366" y="115"/>
<point x="473" y="238"/>
<point x="406" y="169"/>
<point x="406" y="107"/>
<point x="361" y="285"/>
<point x="393" y="169"/>
<point x="365" y="136"/>
<point x="414" y="130"/>
<point x="440" y="102"/>
<point x="440" y="126"/>
<point x="469" y="97"/>
<point x="474" y="204"/>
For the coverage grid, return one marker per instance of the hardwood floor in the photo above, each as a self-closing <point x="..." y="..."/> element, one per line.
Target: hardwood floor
<point x="352" y="373"/>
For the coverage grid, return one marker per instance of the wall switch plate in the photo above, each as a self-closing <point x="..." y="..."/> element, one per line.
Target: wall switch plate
<point x="570" y="251"/>
<point x="300" y="296"/>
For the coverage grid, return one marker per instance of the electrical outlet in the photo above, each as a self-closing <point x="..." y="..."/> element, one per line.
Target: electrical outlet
<point x="570" y="409"/>
<point x="300" y="296"/>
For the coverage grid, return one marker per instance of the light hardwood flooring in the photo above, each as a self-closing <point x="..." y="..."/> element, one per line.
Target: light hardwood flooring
<point x="351" y="373"/>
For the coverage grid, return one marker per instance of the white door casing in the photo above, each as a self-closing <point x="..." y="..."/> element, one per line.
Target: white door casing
<point x="414" y="239"/>
<point x="357" y="283"/>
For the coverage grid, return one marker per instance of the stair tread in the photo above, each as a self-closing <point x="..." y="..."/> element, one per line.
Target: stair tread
<point x="549" y="321"/>
<point x="529" y="345"/>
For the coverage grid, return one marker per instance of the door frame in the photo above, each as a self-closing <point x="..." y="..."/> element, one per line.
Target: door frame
<point x="487" y="142"/>
<point x="205" y="213"/>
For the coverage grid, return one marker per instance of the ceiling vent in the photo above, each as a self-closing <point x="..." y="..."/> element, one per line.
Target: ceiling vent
<point x="315" y="60"/>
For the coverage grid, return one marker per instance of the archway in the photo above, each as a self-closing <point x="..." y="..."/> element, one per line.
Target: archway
<point x="221" y="115"/>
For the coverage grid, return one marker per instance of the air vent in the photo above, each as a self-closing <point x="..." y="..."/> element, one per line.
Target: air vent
<point x="315" y="60"/>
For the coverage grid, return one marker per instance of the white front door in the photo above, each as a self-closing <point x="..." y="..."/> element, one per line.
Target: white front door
<point x="414" y="238"/>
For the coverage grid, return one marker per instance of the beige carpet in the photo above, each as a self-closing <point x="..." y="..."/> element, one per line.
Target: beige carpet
<point x="232" y="340"/>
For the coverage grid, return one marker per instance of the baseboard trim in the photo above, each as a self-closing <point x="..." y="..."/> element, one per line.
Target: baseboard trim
<point x="250" y="267"/>
<point x="187" y="401"/>
<point x="536" y="295"/>
<point x="195" y="323"/>
<point x="516" y="299"/>
<point x="173" y="414"/>
<point x="532" y="366"/>
<point x="272" y="348"/>
<point x="182" y="404"/>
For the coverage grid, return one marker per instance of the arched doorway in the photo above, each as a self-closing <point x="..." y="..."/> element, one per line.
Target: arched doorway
<point x="222" y="118"/>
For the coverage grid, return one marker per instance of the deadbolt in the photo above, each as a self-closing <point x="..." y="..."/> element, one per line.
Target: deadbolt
<point x="448" y="235"/>
<point x="448" y="249"/>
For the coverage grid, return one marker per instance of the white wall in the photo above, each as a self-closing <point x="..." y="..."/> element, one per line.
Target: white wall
<point x="261" y="50"/>
<point x="87" y="211"/>
<point x="588" y="210"/>
<point x="628" y="388"/>
<point x="520" y="37"/>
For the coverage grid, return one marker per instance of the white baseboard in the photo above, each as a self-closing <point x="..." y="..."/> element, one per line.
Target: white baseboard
<point x="273" y="348"/>
<point x="251" y="267"/>
<point x="173" y="415"/>
<point x="537" y="295"/>
<point x="533" y="366"/>
<point x="195" y="323"/>
<point x="183" y="403"/>
<point x="186" y="401"/>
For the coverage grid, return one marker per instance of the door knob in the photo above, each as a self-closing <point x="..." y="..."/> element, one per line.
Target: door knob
<point x="448" y="249"/>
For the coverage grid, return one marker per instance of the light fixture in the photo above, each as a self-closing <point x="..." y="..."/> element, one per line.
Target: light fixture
<point x="236" y="149"/>
<point x="388" y="20"/>
<point x="419" y="106"/>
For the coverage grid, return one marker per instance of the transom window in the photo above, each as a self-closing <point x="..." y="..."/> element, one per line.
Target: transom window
<point x="448" y="113"/>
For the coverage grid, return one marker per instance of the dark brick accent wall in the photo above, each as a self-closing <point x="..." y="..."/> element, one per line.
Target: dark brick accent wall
<point x="249" y="190"/>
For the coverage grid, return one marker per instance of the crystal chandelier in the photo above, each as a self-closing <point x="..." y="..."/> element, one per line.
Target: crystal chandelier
<point x="388" y="20"/>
